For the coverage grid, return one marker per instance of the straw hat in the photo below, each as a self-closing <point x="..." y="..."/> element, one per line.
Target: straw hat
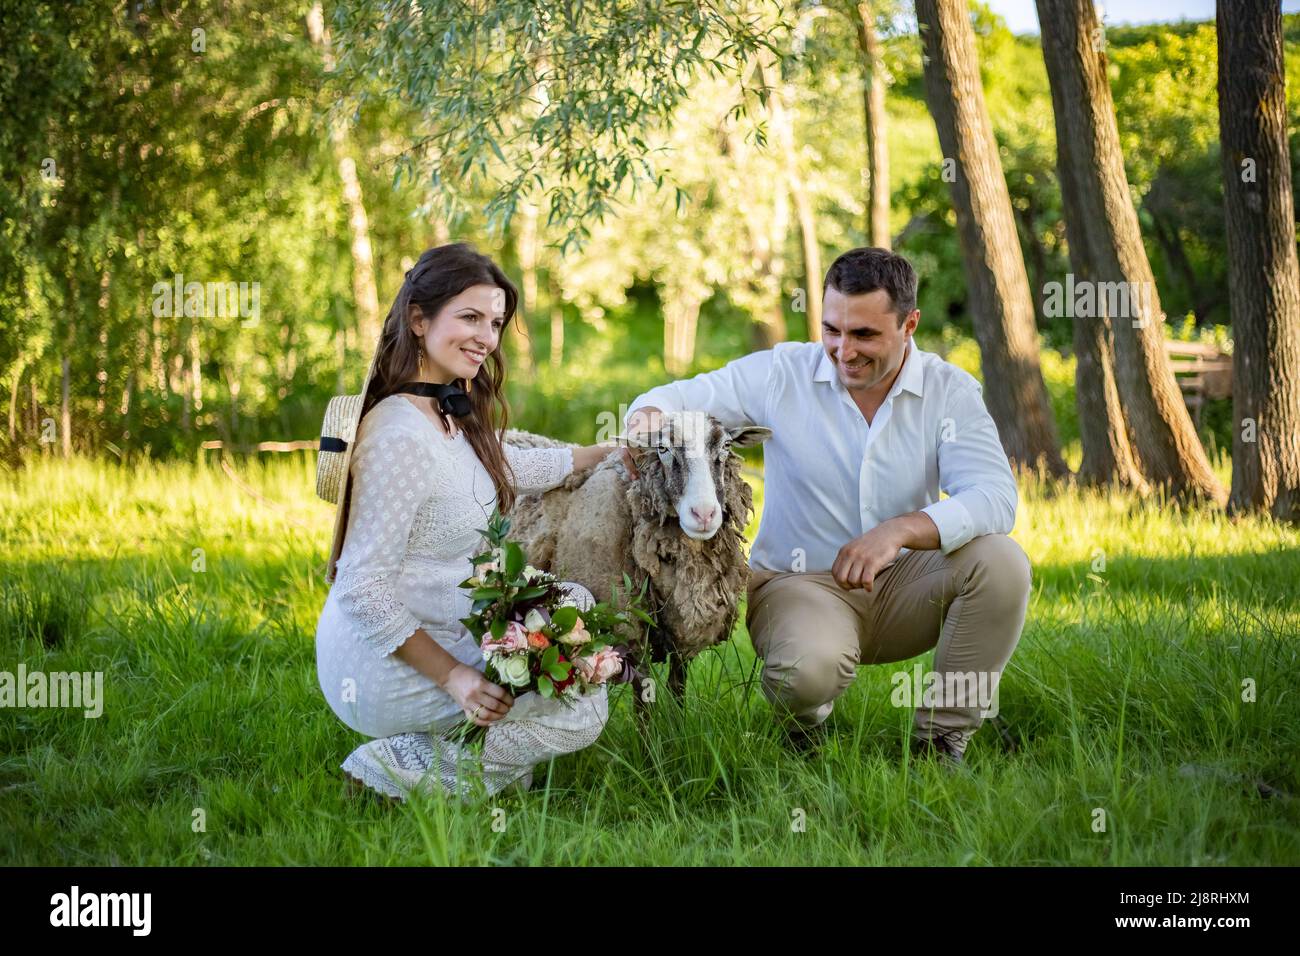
<point x="338" y="434"/>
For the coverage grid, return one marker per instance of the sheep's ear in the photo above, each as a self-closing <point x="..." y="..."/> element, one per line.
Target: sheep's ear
<point x="749" y="435"/>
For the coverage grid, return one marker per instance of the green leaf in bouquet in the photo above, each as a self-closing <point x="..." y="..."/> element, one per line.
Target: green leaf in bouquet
<point x="483" y="558"/>
<point x="545" y="687"/>
<point x="563" y="619"/>
<point x="499" y="628"/>
<point x="550" y="656"/>
<point x="528" y="593"/>
<point x="514" y="560"/>
<point x="490" y="593"/>
<point x="559" y="671"/>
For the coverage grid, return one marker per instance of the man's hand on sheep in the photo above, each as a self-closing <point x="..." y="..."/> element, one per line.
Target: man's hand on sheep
<point x="644" y="421"/>
<point x="862" y="559"/>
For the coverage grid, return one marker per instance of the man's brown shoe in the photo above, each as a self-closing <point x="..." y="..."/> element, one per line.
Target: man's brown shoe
<point x="805" y="739"/>
<point x="944" y="747"/>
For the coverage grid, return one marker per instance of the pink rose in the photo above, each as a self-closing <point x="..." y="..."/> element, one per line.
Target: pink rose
<point x="578" y="635"/>
<point x="599" y="667"/>
<point x="514" y="639"/>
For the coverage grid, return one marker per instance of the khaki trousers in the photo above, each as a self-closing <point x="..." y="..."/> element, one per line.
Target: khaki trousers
<point x="812" y="634"/>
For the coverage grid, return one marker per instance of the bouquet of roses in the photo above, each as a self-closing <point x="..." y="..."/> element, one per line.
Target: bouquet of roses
<point x="532" y="637"/>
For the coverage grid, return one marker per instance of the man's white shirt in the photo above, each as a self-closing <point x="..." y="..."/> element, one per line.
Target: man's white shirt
<point x="830" y="476"/>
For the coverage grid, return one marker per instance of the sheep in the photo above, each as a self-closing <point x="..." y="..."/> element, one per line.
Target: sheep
<point x="670" y="527"/>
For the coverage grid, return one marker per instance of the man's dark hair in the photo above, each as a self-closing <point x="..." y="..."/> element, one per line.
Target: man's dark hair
<point x="864" y="270"/>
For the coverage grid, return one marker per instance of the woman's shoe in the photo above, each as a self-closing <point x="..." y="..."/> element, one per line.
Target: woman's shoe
<point x="520" y="786"/>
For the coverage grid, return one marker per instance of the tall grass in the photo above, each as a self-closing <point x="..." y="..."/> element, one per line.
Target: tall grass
<point x="197" y="594"/>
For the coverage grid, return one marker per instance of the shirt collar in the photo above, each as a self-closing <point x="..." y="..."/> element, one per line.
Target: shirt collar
<point x="911" y="378"/>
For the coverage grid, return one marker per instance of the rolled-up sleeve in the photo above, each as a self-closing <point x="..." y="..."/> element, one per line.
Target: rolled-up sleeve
<point x="539" y="469"/>
<point x="736" y="394"/>
<point x="392" y="475"/>
<point x="973" y="472"/>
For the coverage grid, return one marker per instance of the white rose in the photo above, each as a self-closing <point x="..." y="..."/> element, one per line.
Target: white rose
<point x="514" y="670"/>
<point x="531" y="573"/>
<point x="534" y="621"/>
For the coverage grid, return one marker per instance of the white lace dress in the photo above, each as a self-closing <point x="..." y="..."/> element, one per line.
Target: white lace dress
<point x="418" y="500"/>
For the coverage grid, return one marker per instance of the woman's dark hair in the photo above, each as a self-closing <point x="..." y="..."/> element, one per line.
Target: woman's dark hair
<point x="440" y="274"/>
<point x="864" y="270"/>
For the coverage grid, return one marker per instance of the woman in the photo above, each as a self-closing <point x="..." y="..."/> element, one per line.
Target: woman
<point x="393" y="659"/>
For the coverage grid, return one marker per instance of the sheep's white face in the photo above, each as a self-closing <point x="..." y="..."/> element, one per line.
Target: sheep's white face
<point x="693" y="449"/>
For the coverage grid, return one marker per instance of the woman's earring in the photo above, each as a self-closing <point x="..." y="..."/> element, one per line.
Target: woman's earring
<point x="420" y="355"/>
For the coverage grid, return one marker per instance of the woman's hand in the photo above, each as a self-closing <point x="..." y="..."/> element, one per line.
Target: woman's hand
<point x="588" y="456"/>
<point x="482" y="700"/>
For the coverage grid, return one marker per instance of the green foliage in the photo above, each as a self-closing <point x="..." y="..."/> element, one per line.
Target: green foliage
<point x="217" y="164"/>
<point x="526" y="97"/>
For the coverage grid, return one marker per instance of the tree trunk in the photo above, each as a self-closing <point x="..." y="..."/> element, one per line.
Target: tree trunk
<point x="157" y="372"/>
<point x="101" y="363"/>
<point x="557" y="327"/>
<point x="1162" y="432"/>
<point x="681" y="315"/>
<point x="196" y="369"/>
<point x="65" y="360"/>
<point x="65" y="407"/>
<point x="873" y="101"/>
<point x="1171" y="245"/>
<point x="769" y="324"/>
<point x="1108" y="456"/>
<point x="363" y="260"/>
<point x="187" y="386"/>
<point x="341" y="350"/>
<point x="233" y="384"/>
<point x="1036" y="261"/>
<point x="783" y="123"/>
<point x="812" y="258"/>
<point x="1002" y="309"/>
<point x="528" y="254"/>
<point x="1263" y="275"/>
<point x="767" y="236"/>
<point x="13" y="402"/>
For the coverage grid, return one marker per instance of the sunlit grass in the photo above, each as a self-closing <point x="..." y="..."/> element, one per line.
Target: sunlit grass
<point x="197" y="594"/>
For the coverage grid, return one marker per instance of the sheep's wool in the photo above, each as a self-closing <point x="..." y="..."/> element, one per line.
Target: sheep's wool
<point x="598" y="526"/>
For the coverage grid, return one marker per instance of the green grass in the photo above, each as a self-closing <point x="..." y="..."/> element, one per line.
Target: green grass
<point x="1125" y="695"/>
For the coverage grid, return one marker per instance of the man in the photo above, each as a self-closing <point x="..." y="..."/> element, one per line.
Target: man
<point x="857" y="559"/>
